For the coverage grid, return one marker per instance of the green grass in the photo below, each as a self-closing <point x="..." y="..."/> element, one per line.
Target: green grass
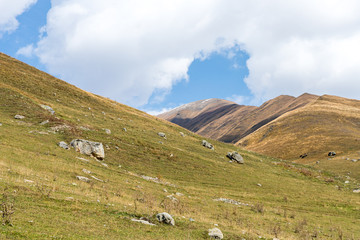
<point x="290" y="204"/>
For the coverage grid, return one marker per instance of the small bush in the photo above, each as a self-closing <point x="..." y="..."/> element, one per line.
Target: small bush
<point x="7" y="208"/>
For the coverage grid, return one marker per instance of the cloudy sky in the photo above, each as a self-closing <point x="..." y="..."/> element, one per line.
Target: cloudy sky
<point x="158" y="54"/>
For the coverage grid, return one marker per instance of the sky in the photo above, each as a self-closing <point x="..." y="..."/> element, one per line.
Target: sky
<point x="158" y="54"/>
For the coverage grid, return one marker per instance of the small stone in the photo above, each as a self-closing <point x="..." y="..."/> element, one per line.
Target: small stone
<point x="143" y="222"/>
<point x="48" y="108"/>
<point x="356" y="190"/>
<point x="235" y="157"/>
<point x="44" y="122"/>
<point x="182" y="134"/>
<point x="86" y="171"/>
<point x="69" y="199"/>
<point x="63" y="145"/>
<point x="259" y="185"/>
<point x="216" y="233"/>
<point x="161" y="134"/>
<point x="107" y="131"/>
<point x="19" y="116"/>
<point x="347" y="181"/>
<point x="83" y="179"/>
<point x="354" y="160"/>
<point x="179" y="194"/>
<point x="331" y="154"/>
<point x="191" y="220"/>
<point x="124" y="129"/>
<point x="207" y="144"/>
<point x="28" y="181"/>
<point x="0" y="124"/>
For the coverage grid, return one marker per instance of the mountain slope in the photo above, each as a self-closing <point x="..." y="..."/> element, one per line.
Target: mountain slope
<point x="230" y="122"/>
<point x="329" y="124"/>
<point x="143" y="173"/>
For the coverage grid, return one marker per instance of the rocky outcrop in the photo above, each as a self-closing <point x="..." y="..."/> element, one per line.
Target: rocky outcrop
<point x="89" y="148"/>
<point x="165" y="218"/>
<point x="235" y="156"/>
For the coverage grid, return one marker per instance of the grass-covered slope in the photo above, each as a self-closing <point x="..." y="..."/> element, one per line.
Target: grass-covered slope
<point x="38" y="178"/>
<point x="329" y="124"/>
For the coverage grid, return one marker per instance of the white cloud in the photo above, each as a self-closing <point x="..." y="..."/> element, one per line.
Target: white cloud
<point x="157" y="112"/>
<point x="9" y="10"/>
<point x="238" y="99"/>
<point x="26" y="51"/>
<point x="128" y="50"/>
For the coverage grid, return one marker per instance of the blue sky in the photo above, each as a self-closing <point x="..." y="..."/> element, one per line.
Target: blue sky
<point x="156" y="55"/>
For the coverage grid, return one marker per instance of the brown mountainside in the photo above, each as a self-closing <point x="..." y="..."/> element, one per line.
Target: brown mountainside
<point x="228" y="121"/>
<point x="328" y="124"/>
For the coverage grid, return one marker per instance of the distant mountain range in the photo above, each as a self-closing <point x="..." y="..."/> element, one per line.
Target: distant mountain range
<point x="284" y="127"/>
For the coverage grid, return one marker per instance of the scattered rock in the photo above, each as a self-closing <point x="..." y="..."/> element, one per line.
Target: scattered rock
<point x="61" y="128"/>
<point x="143" y="222"/>
<point x="28" y="181"/>
<point x="191" y="220"/>
<point x="161" y="134"/>
<point x="86" y="171"/>
<point x="108" y="131"/>
<point x="226" y="200"/>
<point x="83" y="159"/>
<point x="63" y="145"/>
<point x="317" y="162"/>
<point x="104" y="164"/>
<point x="48" y="108"/>
<point x="182" y="134"/>
<point x="84" y="179"/>
<point x="207" y="144"/>
<point x="356" y="190"/>
<point x="354" y="160"/>
<point x="303" y="155"/>
<point x="44" y="122"/>
<point x="84" y="128"/>
<point x="69" y="199"/>
<point x="331" y="154"/>
<point x="0" y="124"/>
<point x="89" y="148"/>
<point x="179" y="194"/>
<point x="259" y="184"/>
<point x="165" y="218"/>
<point x="97" y="179"/>
<point x="347" y="181"/>
<point x="235" y="156"/>
<point x="124" y="129"/>
<point x="17" y="116"/>
<point x="172" y="198"/>
<point x="161" y="142"/>
<point x="215" y="233"/>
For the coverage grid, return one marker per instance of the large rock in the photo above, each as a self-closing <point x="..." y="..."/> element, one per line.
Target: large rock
<point x="165" y="218"/>
<point x="207" y="144"/>
<point x="89" y="148"/>
<point x="215" y="233"/>
<point x="235" y="156"/>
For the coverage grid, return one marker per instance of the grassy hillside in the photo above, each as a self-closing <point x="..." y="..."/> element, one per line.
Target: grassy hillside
<point x="38" y="178"/>
<point x="329" y="124"/>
